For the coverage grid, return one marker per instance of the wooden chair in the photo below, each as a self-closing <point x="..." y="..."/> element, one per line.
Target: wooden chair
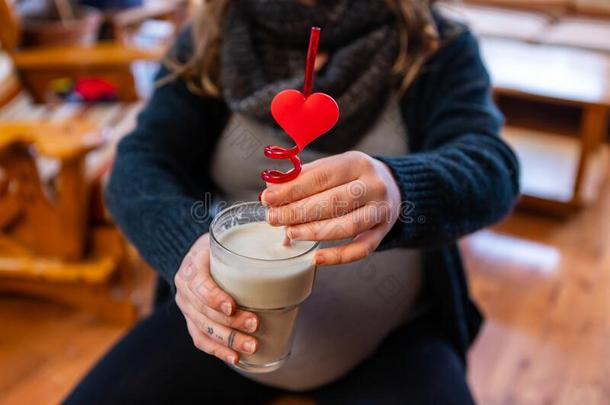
<point x="49" y="246"/>
<point x="39" y="66"/>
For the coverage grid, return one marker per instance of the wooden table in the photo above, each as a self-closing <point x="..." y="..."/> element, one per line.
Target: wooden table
<point x="563" y="77"/>
<point x="586" y="33"/>
<point x="490" y="21"/>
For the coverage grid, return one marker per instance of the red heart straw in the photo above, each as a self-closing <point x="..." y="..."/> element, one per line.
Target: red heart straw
<point x="277" y="152"/>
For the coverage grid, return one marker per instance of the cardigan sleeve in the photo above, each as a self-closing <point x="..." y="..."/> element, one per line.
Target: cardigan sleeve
<point x="152" y="194"/>
<point x="462" y="177"/>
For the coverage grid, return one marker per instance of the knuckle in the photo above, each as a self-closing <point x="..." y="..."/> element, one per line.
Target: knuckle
<point x="212" y="351"/>
<point x="216" y="297"/>
<point x="208" y="292"/>
<point x="227" y="320"/>
<point x="295" y="193"/>
<point x="193" y="284"/>
<point x="177" y="280"/>
<point x="384" y="211"/>
<point x="367" y="164"/>
<point x="334" y="204"/>
<point x="321" y="179"/>
<point x="378" y="186"/>
<point x="338" y="256"/>
<point x="201" y="324"/>
<point x="179" y="300"/>
<point x="197" y="254"/>
<point x="362" y="254"/>
<point x="189" y="256"/>
<point x="371" y="246"/>
<point x="187" y="263"/>
<point x="370" y="216"/>
<point x="199" y="343"/>
<point x="209" y="284"/>
<point x="367" y="249"/>
<point x="200" y="306"/>
<point x="205" y="289"/>
<point x="314" y="232"/>
<point x="350" y="228"/>
<point x="362" y="160"/>
<point x="354" y="155"/>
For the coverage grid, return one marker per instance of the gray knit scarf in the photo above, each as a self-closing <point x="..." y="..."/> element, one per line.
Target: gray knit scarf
<point x="264" y="49"/>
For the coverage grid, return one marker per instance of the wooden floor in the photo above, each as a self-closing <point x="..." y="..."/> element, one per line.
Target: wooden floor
<point x="545" y="287"/>
<point x="543" y="283"/>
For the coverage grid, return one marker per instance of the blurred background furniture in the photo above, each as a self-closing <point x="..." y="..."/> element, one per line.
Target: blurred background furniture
<point x="557" y="120"/>
<point x="64" y="54"/>
<point x="9" y="82"/>
<point x="56" y="241"/>
<point x="542" y="281"/>
<point x="130" y="24"/>
<point x="550" y="67"/>
<point x="595" y="8"/>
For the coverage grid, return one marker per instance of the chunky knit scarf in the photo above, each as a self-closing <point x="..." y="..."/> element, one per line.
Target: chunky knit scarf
<point x="264" y="50"/>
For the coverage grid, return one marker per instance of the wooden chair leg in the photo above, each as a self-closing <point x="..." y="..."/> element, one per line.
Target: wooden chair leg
<point x="594" y="125"/>
<point x="64" y="221"/>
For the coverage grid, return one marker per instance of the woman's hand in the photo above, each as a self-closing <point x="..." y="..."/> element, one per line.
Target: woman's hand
<point x="212" y="317"/>
<point x="350" y="195"/>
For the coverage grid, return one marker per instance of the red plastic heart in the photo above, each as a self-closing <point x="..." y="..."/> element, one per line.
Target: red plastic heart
<point x="304" y="119"/>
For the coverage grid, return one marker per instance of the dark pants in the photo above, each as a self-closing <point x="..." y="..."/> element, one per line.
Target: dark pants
<point x="156" y="363"/>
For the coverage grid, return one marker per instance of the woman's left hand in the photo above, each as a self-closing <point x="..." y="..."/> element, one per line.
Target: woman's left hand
<point x="350" y="195"/>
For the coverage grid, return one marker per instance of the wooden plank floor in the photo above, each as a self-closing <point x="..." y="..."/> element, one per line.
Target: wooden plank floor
<point x="545" y="287"/>
<point x="544" y="284"/>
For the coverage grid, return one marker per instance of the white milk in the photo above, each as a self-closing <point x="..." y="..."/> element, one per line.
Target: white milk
<point x="251" y="263"/>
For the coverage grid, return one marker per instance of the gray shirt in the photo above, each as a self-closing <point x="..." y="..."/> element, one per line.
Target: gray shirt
<point x="354" y="306"/>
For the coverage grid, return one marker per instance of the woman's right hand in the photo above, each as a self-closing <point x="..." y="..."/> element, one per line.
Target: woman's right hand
<point x="212" y="317"/>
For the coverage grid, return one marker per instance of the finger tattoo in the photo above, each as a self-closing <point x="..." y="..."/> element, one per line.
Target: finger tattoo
<point x="231" y="339"/>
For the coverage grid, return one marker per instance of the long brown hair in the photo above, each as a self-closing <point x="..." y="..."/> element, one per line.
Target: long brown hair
<point x="419" y="39"/>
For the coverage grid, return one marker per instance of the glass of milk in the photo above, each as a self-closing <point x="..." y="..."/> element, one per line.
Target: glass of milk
<point x="251" y="262"/>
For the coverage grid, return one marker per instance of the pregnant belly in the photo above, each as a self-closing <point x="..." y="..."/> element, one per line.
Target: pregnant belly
<point x="352" y="309"/>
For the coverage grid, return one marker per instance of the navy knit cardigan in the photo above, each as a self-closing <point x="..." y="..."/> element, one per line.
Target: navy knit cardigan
<point x="458" y="177"/>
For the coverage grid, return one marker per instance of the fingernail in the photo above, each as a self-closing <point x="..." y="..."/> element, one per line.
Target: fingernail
<point x="251" y="324"/>
<point x="231" y="359"/>
<point x="226" y="308"/>
<point x="249" y="346"/>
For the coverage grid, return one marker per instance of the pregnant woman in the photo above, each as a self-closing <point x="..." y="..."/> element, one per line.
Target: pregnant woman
<point x="414" y="163"/>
